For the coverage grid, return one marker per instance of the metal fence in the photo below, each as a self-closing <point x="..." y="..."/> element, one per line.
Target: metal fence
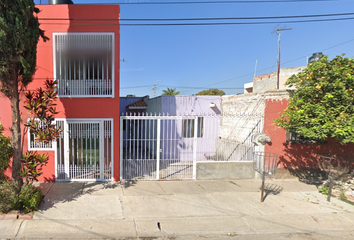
<point x="168" y="147"/>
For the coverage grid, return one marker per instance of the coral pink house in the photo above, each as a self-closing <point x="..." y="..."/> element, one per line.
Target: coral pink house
<point x="294" y="156"/>
<point x="83" y="55"/>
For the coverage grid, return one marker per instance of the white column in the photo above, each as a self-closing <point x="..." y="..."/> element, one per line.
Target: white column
<point x="120" y="148"/>
<point x="195" y="148"/>
<point x="101" y="149"/>
<point x="158" y="150"/>
<point x="66" y="150"/>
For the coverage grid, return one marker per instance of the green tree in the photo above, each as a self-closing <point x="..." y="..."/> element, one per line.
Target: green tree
<point x="322" y="106"/>
<point x="170" y="91"/>
<point x="19" y="35"/>
<point x="212" y="91"/>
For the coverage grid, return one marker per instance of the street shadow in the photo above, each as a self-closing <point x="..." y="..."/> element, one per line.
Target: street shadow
<point x="270" y="188"/>
<point x="61" y="192"/>
<point x="128" y="183"/>
<point x="301" y="160"/>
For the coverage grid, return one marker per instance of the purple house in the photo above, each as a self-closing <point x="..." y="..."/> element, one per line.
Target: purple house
<point x="167" y="136"/>
<point x="177" y="135"/>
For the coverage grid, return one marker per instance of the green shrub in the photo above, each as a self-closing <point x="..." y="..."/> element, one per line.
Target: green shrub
<point x="5" y="153"/>
<point x="30" y="197"/>
<point x="323" y="190"/>
<point x="27" y="198"/>
<point x="9" y="197"/>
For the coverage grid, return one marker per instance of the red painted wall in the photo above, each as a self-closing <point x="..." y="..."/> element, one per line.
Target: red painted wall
<point x="296" y="155"/>
<point x="67" y="20"/>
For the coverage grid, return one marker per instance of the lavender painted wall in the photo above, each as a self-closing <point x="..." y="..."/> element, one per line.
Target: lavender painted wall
<point x="190" y="105"/>
<point x="174" y="144"/>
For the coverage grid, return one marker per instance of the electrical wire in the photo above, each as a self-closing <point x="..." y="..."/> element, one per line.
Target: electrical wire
<point x="231" y="79"/>
<point x="209" y="2"/>
<point x="204" y="24"/>
<point x="201" y="19"/>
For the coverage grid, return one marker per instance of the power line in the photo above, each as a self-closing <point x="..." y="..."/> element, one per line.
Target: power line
<point x="238" y="77"/>
<point x="177" y="87"/>
<point x="201" y="19"/>
<point x="210" y="2"/>
<point x="264" y="69"/>
<point x="185" y="87"/>
<point x="205" y="24"/>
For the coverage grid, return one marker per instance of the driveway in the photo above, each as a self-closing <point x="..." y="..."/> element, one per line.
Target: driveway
<point x="214" y="209"/>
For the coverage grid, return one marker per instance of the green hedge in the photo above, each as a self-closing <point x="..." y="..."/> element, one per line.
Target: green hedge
<point x="26" y="198"/>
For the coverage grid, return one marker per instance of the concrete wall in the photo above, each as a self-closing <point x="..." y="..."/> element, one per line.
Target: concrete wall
<point x="225" y="170"/>
<point x="269" y="81"/>
<point x="238" y="129"/>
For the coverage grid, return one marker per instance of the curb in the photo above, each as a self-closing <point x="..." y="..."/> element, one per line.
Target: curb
<point x="15" y="216"/>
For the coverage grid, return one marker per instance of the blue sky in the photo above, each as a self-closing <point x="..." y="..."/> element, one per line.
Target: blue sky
<point x="221" y="57"/>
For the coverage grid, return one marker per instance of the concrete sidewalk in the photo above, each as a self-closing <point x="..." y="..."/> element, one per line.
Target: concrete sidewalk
<point x="210" y="209"/>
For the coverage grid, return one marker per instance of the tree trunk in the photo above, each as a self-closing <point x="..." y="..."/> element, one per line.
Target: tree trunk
<point x="16" y="135"/>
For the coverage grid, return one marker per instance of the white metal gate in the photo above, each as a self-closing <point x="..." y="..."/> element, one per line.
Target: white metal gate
<point x="149" y="153"/>
<point x="84" y="150"/>
<point x="169" y="147"/>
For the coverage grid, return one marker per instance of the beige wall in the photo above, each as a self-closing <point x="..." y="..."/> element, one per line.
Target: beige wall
<point x="251" y="104"/>
<point x="267" y="82"/>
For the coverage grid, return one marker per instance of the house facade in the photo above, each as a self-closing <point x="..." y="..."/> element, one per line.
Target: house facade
<point x="83" y="56"/>
<point x="296" y="158"/>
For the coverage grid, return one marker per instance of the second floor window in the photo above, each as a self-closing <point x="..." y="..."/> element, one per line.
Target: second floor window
<point x="84" y="64"/>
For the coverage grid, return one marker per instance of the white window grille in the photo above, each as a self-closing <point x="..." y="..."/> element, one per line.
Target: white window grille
<point x="84" y="64"/>
<point x="188" y="128"/>
<point x="35" y="145"/>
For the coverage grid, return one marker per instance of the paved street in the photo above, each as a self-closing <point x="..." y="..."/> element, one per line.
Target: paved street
<point x="223" y="209"/>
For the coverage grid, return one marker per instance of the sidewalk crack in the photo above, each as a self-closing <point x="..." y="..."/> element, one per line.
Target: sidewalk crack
<point x="19" y="228"/>
<point x="161" y="188"/>
<point x="136" y="228"/>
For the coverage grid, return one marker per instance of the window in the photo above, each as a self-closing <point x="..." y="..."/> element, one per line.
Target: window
<point x="188" y="128"/>
<point x="84" y="64"/>
<point x="33" y="144"/>
<point x="296" y="139"/>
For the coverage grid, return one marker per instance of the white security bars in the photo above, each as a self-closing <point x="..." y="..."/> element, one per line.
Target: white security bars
<point x="84" y="150"/>
<point x="168" y="147"/>
<point x="84" y="64"/>
<point x="34" y="145"/>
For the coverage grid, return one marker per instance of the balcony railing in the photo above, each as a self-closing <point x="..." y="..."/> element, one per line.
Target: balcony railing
<point x="84" y="64"/>
<point x="83" y="88"/>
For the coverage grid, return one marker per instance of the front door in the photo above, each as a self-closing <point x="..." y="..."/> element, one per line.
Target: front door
<point x="84" y="150"/>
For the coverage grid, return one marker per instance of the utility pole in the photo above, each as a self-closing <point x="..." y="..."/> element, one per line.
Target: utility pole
<point x="154" y="89"/>
<point x="278" y="31"/>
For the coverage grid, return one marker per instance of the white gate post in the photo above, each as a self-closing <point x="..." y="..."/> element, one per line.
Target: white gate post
<point x="101" y="149"/>
<point x="120" y="148"/>
<point x="195" y="140"/>
<point x="158" y="149"/>
<point x="66" y="151"/>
